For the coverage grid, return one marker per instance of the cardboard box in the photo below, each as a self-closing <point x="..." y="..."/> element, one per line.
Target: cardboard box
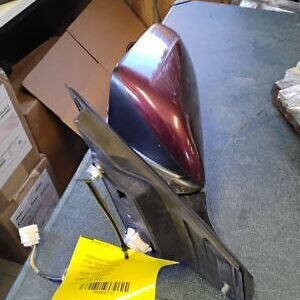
<point x="18" y="152"/>
<point x="84" y="58"/>
<point x="37" y="198"/>
<point x="63" y="148"/>
<point x="32" y="203"/>
<point x="104" y="29"/>
<point x="26" y="65"/>
<point x="67" y="63"/>
<point x="11" y="247"/>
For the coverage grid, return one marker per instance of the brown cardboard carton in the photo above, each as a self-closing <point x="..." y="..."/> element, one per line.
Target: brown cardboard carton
<point x="63" y="148"/>
<point x="84" y="58"/>
<point x="31" y="179"/>
<point x="37" y="197"/>
<point x="67" y="63"/>
<point x="18" y="152"/>
<point x="11" y="247"/>
<point x="25" y="66"/>
<point x="105" y="28"/>
<point x="33" y="202"/>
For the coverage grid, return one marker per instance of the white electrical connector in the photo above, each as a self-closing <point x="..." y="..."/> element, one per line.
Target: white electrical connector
<point x="133" y="240"/>
<point x="29" y="235"/>
<point x="225" y="289"/>
<point x="95" y="171"/>
<point x="30" y="238"/>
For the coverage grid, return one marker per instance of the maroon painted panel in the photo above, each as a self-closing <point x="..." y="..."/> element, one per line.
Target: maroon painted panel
<point x="153" y="75"/>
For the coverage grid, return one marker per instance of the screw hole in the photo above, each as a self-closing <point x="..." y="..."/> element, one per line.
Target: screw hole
<point x="121" y="194"/>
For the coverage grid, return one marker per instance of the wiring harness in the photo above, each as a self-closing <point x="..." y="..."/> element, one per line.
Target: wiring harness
<point x="30" y="234"/>
<point x="30" y="238"/>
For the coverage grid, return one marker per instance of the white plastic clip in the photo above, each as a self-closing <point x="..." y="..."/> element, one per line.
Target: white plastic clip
<point x="95" y="171"/>
<point x="29" y="235"/>
<point x="225" y="289"/>
<point x="133" y="240"/>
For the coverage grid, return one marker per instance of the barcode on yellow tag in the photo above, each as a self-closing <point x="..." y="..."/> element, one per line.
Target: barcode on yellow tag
<point x="109" y="286"/>
<point x="100" y="268"/>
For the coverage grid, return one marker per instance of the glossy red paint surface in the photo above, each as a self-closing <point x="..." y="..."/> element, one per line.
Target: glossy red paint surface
<point x="152" y="75"/>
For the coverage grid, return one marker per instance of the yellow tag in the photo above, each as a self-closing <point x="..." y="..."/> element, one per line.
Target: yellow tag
<point x="99" y="270"/>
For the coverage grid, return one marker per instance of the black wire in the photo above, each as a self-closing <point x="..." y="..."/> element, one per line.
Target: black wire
<point x="100" y="201"/>
<point x="50" y="278"/>
<point x="54" y="279"/>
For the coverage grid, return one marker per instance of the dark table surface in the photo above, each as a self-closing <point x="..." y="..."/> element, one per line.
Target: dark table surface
<point x="252" y="158"/>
